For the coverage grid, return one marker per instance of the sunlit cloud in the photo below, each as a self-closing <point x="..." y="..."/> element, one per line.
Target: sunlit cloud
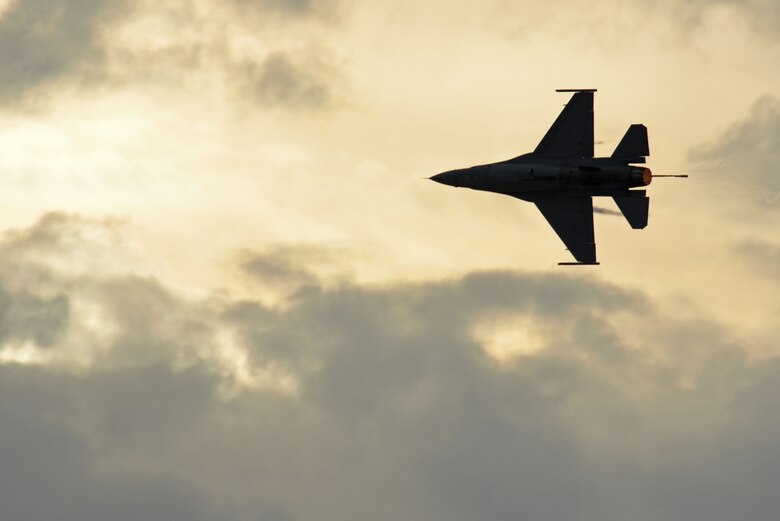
<point x="225" y="404"/>
<point x="747" y="154"/>
<point x="229" y="291"/>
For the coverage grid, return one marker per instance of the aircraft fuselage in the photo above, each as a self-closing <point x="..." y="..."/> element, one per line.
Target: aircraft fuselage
<point x="529" y="175"/>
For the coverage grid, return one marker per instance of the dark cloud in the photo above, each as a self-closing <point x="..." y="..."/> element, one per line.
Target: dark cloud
<point x="49" y="47"/>
<point x="761" y="256"/>
<point x="283" y="270"/>
<point x="288" y="7"/>
<point x="287" y="265"/>
<point x="43" y="41"/>
<point x="398" y="412"/>
<point x="66" y="441"/>
<point x="287" y="81"/>
<point x="763" y="14"/>
<point x="686" y="17"/>
<point x="31" y="309"/>
<point x="57" y="236"/>
<point x="26" y="317"/>
<point x="745" y="158"/>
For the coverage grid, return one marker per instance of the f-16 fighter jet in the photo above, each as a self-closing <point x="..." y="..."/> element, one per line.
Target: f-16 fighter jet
<point x="561" y="176"/>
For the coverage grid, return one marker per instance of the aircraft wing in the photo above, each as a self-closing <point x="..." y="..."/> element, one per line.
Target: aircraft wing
<point x="572" y="133"/>
<point x="572" y="220"/>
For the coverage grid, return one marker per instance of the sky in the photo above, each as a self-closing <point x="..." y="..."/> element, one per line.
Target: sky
<point x="228" y="291"/>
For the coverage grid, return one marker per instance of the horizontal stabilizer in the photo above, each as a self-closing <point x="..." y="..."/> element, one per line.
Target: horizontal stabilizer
<point x="633" y="148"/>
<point x="635" y="208"/>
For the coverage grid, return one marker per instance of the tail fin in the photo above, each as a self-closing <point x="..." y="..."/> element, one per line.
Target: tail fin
<point x="633" y="148"/>
<point x="635" y="206"/>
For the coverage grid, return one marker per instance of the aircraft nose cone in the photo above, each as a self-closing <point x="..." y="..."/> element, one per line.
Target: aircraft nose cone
<point x="446" y="178"/>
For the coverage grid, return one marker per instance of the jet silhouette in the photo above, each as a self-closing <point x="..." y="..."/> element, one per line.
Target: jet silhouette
<point x="561" y="176"/>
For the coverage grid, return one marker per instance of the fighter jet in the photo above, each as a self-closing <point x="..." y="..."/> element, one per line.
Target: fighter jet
<point x="561" y="176"/>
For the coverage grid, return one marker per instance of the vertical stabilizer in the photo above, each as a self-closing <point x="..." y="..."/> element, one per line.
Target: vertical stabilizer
<point x="633" y="148"/>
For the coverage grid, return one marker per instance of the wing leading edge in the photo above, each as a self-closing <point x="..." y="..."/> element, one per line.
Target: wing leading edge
<point x="572" y="133"/>
<point x="572" y="220"/>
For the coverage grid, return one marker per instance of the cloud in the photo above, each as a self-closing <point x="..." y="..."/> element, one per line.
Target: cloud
<point x="26" y="317"/>
<point x="42" y="42"/>
<point x="285" y="269"/>
<point x="399" y="410"/>
<point x="93" y="43"/>
<point x="763" y="256"/>
<point x="746" y="156"/>
<point x="763" y="14"/>
<point x="289" y="8"/>
<point x="242" y="48"/>
<point x="63" y="457"/>
<point x="284" y="80"/>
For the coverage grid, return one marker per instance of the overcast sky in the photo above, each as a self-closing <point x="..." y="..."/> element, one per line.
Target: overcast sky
<point x="227" y="292"/>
